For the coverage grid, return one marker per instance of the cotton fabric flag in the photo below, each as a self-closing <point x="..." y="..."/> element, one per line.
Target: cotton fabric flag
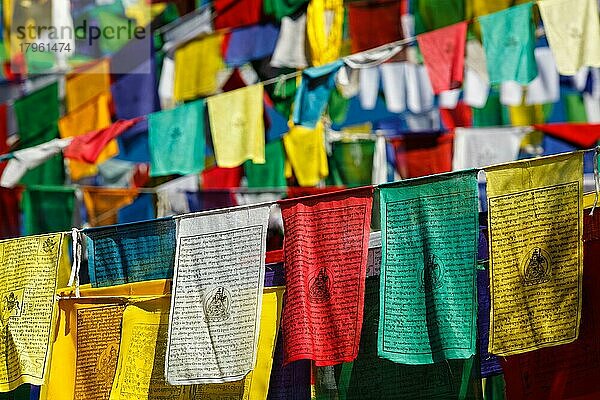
<point x="535" y="277"/>
<point x="436" y="14"/>
<point x="271" y="174"/>
<point x="134" y="94"/>
<point x="236" y="13"/>
<point x="221" y="294"/>
<point x="508" y="40"/>
<point x="47" y="209"/>
<point x="569" y="371"/>
<point x="91" y="116"/>
<point x="374" y="23"/>
<point x="580" y="134"/>
<point x="9" y="213"/>
<point x="305" y="154"/>
<point x="423" y="154"/>
<point x="444" y="55"/>
<point x="572" y="29"/>
<point x="103" y="204"/>
<point x="354" y="161"/>
<point x="290" y="50"/>
<point x="196" y="67"/>
<point x="29" y="312"/>
<point x="545" y="88"/>
<point x="130" y="253"/>
<point x="288" y="381"/>
<point x="237" y="126"/>
<point x="313" y="93"/>
<point x="89" y="147"/>
<point x="326" y="248"/>
<point x="324" y="30"/>
<point x="428" y="287"/>
<point x="479" y="147"/>
<point x="221" y="178"/>
<point x="280" y="9"/>
<point x="87" y="83"/>
<point x="210" y="199"/>
<point x="177" y="140"/>
<point x="251" y="43"/>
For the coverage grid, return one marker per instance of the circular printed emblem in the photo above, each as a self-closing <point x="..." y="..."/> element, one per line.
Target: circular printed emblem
<point x="320" y="285"/>
<point x="432" y="275"/>
<point x="535" y="267"/>
<point x="217" y="304"/>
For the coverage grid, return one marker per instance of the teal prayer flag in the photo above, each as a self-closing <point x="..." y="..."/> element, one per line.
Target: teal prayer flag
<point x="509" y="40"/>
<point x="429" y="235"/>
<point x="271" y="174"/>
<point x="176" y="138"/>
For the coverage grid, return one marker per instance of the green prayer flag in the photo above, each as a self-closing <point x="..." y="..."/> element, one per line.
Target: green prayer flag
<point x="354" y="161"/>
<point x="271" y="174"/>
<point x="338" y="107"/>
<point x="575" y="108"/>
<point x="47" y="209"/>
<point x="429" y="236"/>
<point x="177" y="140"/>
<point x="435" y="14"/>
<point x="374" y="378"/>
<point x="282" y="93"/>
<point x="492" y="114"/>
<point x="37" y="120"/>
<point x="23" y="392"/>
<point x="509" y="40"/>
<point x="282" y="8"/>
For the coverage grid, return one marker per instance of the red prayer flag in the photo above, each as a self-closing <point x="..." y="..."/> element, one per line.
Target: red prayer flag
<point x="325" y="250"/>
<point x="444" y="56"/>
<point x="461" y="116"/>
<point x="88" y="147"/>
<point x="222" y="178"/>
<point x="9" y="213"/>
<point x="374" y="23"/>
<point x="570" y="371"/>
<point x="423" y="154"/>
<point x="578" y="134"/>
<point x="236" y="13"/>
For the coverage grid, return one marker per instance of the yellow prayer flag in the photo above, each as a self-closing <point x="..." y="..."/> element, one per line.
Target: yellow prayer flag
<point x="573" y="33"/>
<point x="536" y="258"/>
<point x="85" y="84"/>
<point x="237" y="126"/>
<point x="196" y="67"/>
<point x="30" y="277"/>
<point x="324" y="34"/>
<point x="526" y="115"/>
<point x="305" y="154"/>
<point x="91" y="116"/>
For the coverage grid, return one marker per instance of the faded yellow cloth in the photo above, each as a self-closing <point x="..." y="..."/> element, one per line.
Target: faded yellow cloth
<point x="536" y="253"/>
<point x="573" y="33"/>
<point x="324" y="39"/>
<point x="525" y="115"/>
<point x="237" y="126"/>
<point x="141" y="363"/>
<point x="87" y="83"/>
<point x="30" y="277"/>
<point x="91" y="116"/>
<point x="60" y="384"/>
<point x="103" y="203"/>
<point x="477" y="8"/>
<point x="196" y="66"/>
<point x="305" y="154"/>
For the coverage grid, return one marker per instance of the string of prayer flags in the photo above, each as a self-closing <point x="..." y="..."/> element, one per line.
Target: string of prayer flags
<point x="572" y="29"/>
<point x="89" y="82"/>
<point x="271" y="174"/>
<point x="313" y="93"/>
<point x="91" y="116"/>
<point x="47" y="209"/>
<point x="237" y="126"/>
<point x="569" y="371"/>
<point x="68" y="345"/>
<point x="217" y="295"/>
<point x="535" y="230"/>
<point x="132" y="252"/>
<point x="177" y="141"/>
<point x="196" y="67"/>
<point x="31" y="268"/>
<point x="444" y="56"/>
<point x="89" y="147"/>
<point x="102" y="204"/>
<point x="305" y="154"/>
<point x="580" y="134"/>
<point x="429" y="235"/>
<point x="326" y="248"/>
<point x="479" y="147"/>
<point x="508" y="40"/>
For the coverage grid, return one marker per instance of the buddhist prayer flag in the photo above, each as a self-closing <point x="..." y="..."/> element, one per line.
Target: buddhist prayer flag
<point x="9" y="213"/>
<point x="572" y="29"/>
<point x="177" y="140"/>
<point x="578" y="134"/>
<point x="306" y="155"/>
<point x="569" y="371"/>
<point x="374" y="23"/>
<point x="102" y="204"/>
<point x="30" y="279"/>
<point x="535" y="230"/>
<point x="132" y="252"/>
<point x="237" y="126"/>
<point x="326" y="248"/>
<point x="509" y="39"/>
<point x="271" y="174"/>
<point x="84" y="85"/>
<point x="429" y="236"/>
<point x="423" y="154"/>
<point x="479" y="147"/>
<point x="288" y="381"/>
<point x="444" y="56"/>
<point x="354" y="161"/>
<point x="217" y="295"/>
<point x="47" y="209"/>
